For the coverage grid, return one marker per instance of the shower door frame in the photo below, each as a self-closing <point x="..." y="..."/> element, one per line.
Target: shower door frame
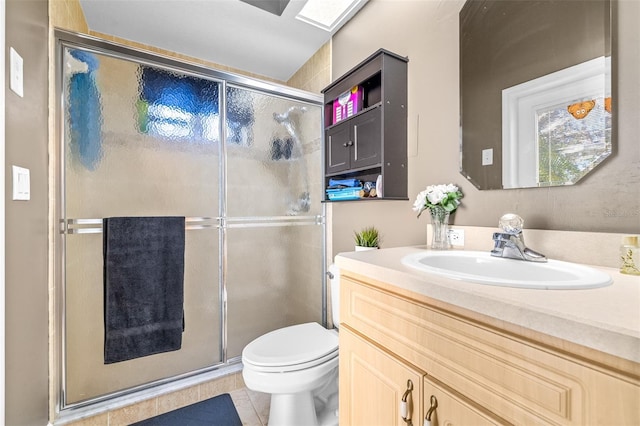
<point x="61" y="226"/>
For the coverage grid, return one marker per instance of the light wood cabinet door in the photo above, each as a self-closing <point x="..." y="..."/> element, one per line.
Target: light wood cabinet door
<point x="512" y="378"/>
<point x="451" y="410"/>
<point x="373" y="383"/>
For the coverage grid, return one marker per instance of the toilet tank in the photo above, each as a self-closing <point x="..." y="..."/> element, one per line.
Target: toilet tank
<point x="334" y="279"/>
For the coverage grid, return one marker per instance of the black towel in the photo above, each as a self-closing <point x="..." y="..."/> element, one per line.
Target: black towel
<point x="143" y="286"/>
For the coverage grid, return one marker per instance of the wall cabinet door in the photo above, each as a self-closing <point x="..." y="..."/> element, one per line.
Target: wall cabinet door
<point x="354" y="144"/>
<point x="373" y="383"/>
<point x="367" y="139"/>
<point x="338" y="151"/>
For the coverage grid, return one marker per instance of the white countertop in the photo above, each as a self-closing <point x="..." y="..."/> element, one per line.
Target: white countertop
<point x="606" y="319"/>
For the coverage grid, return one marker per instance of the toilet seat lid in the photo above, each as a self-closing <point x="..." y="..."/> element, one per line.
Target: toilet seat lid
<point x="297" y="344"/>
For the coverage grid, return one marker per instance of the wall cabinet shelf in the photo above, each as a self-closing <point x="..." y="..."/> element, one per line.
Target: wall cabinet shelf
<point x="365" y="124"/>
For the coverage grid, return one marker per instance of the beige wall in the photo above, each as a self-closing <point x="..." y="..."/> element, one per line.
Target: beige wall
<point x="315" y="74"/>
<point x="26" y="232"/>
<point x="175" y="55"/>
<point x="427" y="32"/>
<point x="67" y="14"/>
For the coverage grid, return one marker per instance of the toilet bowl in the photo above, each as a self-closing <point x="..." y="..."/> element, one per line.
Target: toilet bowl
<point x="298" y="366"/>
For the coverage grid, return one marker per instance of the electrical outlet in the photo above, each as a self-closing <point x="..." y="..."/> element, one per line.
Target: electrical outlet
<point x="456" y="237"/>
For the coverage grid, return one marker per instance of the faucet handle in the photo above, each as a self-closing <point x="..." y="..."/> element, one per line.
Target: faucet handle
<point x="511" y="223"/>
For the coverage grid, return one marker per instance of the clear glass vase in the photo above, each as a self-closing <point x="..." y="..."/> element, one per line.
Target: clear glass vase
<point x="440" y="224"/>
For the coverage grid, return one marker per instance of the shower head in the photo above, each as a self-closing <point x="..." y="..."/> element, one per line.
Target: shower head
<point x="281" y="118"/>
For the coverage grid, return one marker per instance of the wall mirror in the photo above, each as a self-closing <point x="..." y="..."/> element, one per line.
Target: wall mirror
<point x="535" y="87"/>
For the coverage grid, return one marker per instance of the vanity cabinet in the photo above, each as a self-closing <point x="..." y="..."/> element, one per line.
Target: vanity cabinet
<point x="368" y="137"/>
<point x="478" y="373"/>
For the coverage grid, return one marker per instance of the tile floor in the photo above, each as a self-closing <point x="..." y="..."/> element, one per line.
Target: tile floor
<point x="252" y="407"/>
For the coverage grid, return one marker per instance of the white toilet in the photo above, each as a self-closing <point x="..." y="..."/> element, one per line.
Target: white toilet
<point x="298" y="366"/>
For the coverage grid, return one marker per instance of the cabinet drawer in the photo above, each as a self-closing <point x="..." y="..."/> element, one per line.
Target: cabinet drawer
<point x="517" y="380"/>
<point x="450" y="409"/>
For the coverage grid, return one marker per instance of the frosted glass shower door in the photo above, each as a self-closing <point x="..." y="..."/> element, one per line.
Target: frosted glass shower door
<point x="139" y="140"/>
<point x="274" y="223"/>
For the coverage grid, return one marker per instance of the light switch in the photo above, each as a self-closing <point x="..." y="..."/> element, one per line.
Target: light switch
<point x="21" y="184"/>
<point x="487" y="157"/>
<point x="16" y="72"/>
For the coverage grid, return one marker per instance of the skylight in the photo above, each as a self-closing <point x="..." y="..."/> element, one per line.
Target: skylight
<point x="328" y="14"/>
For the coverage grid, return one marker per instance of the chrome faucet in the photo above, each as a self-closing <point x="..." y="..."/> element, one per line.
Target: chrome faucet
<point x="510" y="242"/>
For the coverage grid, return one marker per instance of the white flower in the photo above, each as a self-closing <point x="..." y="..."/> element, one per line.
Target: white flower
<point x="420" y="202"/>
<point x="445" y="196"/>
<point x="435" y="194"/>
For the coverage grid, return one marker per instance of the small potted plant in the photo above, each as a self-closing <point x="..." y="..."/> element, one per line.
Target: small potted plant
<point x="367" y="239"/>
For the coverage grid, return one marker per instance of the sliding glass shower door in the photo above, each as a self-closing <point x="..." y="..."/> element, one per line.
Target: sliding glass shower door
<point x="240" y="160"/>
<point x="140" y="140"/>
<point x="274" y="257"/>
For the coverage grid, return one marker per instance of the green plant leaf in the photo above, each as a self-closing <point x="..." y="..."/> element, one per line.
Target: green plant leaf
<point x="367" y="237"/>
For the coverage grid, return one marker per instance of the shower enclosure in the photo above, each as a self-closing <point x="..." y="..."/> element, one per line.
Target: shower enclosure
<point x="240" y="159"/>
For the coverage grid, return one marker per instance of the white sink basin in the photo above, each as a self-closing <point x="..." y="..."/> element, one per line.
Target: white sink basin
<point x="481" y="267"/>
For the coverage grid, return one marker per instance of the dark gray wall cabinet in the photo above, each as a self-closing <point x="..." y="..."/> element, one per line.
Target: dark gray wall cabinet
<point x="368" y="137"/>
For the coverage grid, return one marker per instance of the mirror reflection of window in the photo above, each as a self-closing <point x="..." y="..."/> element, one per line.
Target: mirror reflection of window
<point x="556" y="128"/>
<point x="506" y="44"/>
<point x="572" y="140"/>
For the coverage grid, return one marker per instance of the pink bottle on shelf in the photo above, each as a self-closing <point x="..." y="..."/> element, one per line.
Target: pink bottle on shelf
<point x="347" y="104"/>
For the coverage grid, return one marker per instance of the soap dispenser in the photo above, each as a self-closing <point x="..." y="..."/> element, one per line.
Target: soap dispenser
<point x="630" y="255"/>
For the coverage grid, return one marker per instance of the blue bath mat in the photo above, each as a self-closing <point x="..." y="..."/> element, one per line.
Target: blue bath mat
<point x="217" y="411"/>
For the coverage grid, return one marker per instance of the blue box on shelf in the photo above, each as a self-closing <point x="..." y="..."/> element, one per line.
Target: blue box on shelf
<point x="351" y="193"/>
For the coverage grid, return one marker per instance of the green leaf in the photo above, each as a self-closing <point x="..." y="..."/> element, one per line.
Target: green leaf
<point x="367" y="237"/>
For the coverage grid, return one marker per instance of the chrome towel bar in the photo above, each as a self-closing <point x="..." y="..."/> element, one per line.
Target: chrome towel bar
<point x="94" y="226"/>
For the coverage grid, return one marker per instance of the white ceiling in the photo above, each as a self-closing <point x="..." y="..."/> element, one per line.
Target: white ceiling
<point x="227" y="32"/>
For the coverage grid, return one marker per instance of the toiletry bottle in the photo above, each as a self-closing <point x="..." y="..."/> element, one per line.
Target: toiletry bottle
<point x="630" y="255"/>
